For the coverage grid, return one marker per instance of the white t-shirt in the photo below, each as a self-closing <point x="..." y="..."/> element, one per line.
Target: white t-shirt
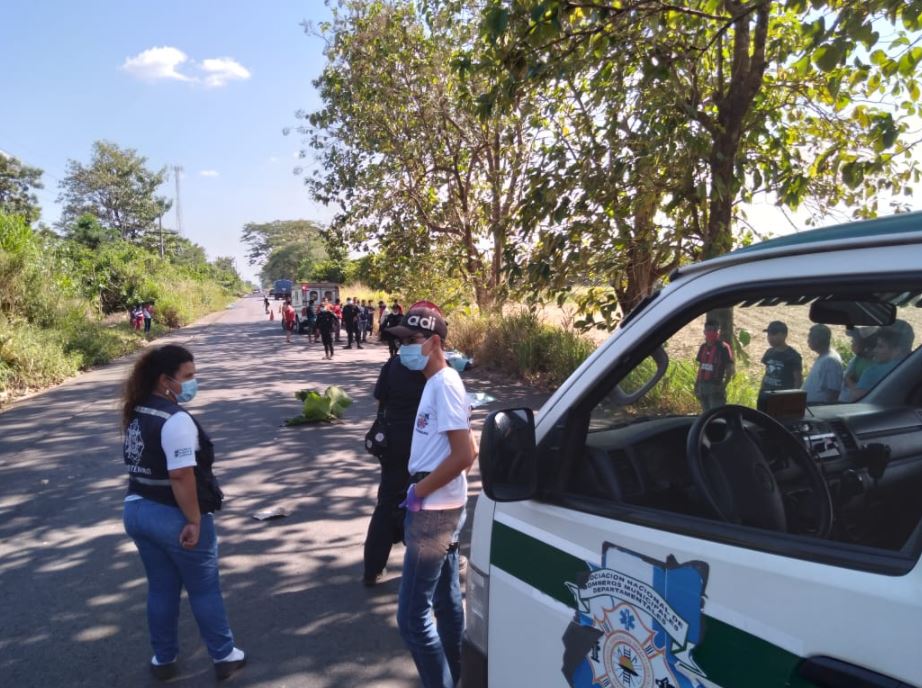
<point x="444" y="406"/>
<point x="825" y="378"/>
<point x="179" y="439"/>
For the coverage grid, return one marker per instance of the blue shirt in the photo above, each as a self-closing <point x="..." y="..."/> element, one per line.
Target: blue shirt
<point x="875" y="373"/>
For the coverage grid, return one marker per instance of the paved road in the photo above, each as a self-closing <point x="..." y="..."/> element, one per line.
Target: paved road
<point x="72" y="589"/>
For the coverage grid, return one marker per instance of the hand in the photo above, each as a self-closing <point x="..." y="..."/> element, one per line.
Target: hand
<point x="412" y="502"/>
<point x="188" y="536"/>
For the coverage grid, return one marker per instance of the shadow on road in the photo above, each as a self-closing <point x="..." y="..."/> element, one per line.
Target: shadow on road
<point x="72" y="589"/>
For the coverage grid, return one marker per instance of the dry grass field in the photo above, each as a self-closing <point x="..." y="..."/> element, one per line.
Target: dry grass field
<point x="753" y="320"/>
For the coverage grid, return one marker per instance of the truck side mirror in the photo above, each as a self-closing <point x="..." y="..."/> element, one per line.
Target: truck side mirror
<point x="508" y="463"/>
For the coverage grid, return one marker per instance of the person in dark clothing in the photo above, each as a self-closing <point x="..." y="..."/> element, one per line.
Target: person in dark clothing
<point x="310" y="318"/>
<point x="784" y="367"/>
<point x="369" y="320"/>
<point x="392" y="319"/>
<point x="350" y="316"/>
<point x="361" y="321"/>
<point x="266" y="303"/>
<point x="326" y="325"/>
<point x="398" y="392"/>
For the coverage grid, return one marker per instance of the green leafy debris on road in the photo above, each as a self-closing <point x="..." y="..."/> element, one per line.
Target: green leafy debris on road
<point x="321" y="408"/>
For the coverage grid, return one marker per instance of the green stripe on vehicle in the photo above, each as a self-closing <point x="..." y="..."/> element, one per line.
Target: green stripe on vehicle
<point x="728" y="655"/>
<point x="534" y="562"/>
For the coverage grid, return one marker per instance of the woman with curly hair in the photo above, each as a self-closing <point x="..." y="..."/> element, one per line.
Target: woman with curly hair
<point x="169" y="509"/>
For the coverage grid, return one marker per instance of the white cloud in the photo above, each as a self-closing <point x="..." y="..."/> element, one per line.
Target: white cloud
<point x="167" y="62"/>
<point x="220" y="70"/>
<point x="208" y="173"/>
<point x="272" y="158"/>
<point x="157" y="63"/>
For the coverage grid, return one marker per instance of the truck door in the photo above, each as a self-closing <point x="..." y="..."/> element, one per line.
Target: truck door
<point x="618" y="572"/>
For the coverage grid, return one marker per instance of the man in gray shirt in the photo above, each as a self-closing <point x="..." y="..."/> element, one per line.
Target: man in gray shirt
<point x="825" y="377"/>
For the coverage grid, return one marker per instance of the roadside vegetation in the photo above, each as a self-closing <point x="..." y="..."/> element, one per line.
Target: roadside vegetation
<point x="65" y="295"/>
<point x="544" y="151"/>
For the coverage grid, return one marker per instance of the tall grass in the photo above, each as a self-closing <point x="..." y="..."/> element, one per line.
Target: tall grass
<point x="520" y="345"/>
<point x="54" y="294"/>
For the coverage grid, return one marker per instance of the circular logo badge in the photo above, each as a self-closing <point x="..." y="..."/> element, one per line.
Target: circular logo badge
<point x="626" y="662"/>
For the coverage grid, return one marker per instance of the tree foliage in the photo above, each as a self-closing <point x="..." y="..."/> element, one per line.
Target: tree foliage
<point x="288" y="249"/>
<point x="17" y="182"/>
<point x="116" y="188"/>
<point x="660" y="119"/>
<point x="407" y="156"/>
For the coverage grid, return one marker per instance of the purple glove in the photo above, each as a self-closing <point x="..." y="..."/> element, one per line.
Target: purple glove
<point x="412" y="502"/>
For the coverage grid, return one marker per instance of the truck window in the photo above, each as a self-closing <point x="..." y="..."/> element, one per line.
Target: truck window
<point x="758" y="378"/>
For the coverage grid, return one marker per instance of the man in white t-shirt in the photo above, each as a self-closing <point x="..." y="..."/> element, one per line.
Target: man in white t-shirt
<point x="442" y="452"/>
<point x="824" y="381"/>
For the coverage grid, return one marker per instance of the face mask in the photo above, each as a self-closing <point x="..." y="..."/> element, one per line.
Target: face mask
<point x="411" y="356"/>
<point x="711" y="337"/>
<point x="187" y="390"/>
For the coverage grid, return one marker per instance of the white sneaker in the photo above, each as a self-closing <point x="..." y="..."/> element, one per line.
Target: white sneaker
<point x="228" y="665"/>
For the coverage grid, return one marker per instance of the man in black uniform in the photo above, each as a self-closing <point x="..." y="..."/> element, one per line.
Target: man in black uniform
<point x="326" y="324"/>
<point x="398" y="392"/>
<point x="350" y="320"/>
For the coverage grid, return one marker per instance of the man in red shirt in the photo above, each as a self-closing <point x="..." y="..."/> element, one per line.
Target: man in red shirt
<point x="715" y="368"/>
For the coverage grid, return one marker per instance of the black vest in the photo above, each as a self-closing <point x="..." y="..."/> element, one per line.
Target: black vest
<point x="146" y="462"/>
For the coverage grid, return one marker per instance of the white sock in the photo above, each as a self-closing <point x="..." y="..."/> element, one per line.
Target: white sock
<point x="156" y="663"/>
<point x="235" y="656"/>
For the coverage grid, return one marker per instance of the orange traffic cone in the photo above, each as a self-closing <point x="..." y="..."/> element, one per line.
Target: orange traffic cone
<point x="271" y="315"/>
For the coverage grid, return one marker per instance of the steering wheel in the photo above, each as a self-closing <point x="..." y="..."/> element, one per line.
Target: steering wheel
<point x="736" y="479"/>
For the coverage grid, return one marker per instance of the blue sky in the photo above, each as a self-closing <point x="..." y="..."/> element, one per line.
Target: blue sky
<point x="75" y="72"/>
<point x="204" y="84"/>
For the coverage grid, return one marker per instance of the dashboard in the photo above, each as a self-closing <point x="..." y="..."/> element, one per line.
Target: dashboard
<point x="864" y="451"/>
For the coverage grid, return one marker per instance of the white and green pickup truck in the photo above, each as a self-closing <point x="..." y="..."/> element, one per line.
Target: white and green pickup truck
<point x="629" y="538"/>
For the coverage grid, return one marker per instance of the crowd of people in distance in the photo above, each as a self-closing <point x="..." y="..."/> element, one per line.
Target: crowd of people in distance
<point x="877" y="351"/>
<point x="325" y="321"/>
<point x="141" y="315"/>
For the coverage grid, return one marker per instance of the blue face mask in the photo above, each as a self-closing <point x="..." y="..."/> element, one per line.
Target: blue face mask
<point x="187" y="390"/>
<point x="411" y="356"/>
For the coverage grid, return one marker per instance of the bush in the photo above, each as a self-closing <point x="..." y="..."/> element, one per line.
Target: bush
<point x="466" y="333"/>
<point x="521" y="345"/>
<point x="96" y="343"/>
<point x="32" y="358"/>
<point x="53" y="292"/>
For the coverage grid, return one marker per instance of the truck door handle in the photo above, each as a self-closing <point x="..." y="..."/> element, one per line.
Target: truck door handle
<point x="826" y="672"/>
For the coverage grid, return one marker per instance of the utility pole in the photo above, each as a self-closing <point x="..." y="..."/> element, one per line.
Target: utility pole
<point x="177" y="173"/>
<point x="160" y="222"/>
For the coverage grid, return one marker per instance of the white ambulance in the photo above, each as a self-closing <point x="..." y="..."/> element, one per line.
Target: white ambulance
<point x="636" y="534"/>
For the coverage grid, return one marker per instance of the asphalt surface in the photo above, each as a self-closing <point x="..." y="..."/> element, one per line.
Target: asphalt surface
<point x="72" y="588"/>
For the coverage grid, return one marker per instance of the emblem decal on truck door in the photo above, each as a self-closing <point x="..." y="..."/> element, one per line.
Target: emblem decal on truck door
<point x="636" y="623"/>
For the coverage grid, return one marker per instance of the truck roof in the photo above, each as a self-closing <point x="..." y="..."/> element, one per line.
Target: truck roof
<point x="903" y="228"/>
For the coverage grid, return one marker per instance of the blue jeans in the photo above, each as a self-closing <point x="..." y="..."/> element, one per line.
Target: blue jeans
<point x="155" y="529"/>
<point x="430" y="584"/>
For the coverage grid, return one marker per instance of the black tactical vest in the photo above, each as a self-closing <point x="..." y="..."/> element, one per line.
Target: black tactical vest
<point x="146" y="462"/>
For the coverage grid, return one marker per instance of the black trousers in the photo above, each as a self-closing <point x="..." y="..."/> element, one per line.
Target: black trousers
<point x="327" y="338"/>
<point x="350" y="333"/>
<point x="386" y="526"/>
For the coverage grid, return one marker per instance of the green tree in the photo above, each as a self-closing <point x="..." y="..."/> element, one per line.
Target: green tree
<point x="405" y="147"/>
<point x="264" y="238"/>
<point x="293" y="261"/>
<point x="17" y="182"/>
<point x="117" y="188"/>
<point x="225" y="272"/>
<point x="88" y="231"/>
<point x="662" y="118"/>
